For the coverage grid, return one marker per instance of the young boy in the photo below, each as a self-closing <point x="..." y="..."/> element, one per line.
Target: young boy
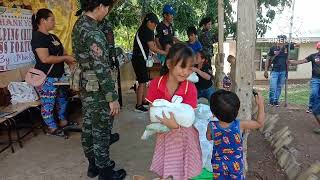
<point x="232" y="60"/>
<point x="227" y="155"/>
<point x="193" y="42"/>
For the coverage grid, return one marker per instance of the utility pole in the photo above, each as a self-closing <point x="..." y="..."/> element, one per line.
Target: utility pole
<point x="219" y="60"/>
<point x="245" y="71"/>
<point x="289" y="45"/>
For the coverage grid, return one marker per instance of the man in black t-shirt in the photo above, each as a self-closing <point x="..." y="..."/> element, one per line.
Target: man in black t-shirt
<point x="165" y="35"/>
<point x="314" y="100"/>
<point x="277" y="56"/>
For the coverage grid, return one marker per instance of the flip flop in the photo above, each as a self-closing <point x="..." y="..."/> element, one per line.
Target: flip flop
<point x="57" y="133"/>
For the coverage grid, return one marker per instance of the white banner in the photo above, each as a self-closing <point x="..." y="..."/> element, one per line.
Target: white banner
<point x="15" y="38"/>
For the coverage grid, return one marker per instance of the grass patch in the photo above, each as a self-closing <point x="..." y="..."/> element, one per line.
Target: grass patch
<point x="298" y="94"/>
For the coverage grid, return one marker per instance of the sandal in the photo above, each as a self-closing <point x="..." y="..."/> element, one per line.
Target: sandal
<point x="57" y="133"/>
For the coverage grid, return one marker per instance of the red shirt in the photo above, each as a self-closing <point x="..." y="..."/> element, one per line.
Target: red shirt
<point x="158" y="90"/>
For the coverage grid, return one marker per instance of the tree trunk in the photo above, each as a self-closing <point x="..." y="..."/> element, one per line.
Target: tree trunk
<point x="220" y="56"/>
<point x="245" y="72"/>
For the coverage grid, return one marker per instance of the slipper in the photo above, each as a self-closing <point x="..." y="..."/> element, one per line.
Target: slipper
<point x="57" y="133"/>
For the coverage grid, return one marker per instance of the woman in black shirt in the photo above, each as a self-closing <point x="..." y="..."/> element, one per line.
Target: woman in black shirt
<point x="204" y="72"/>
<point x="147" y="39"/>
<point x="50" y="58"/>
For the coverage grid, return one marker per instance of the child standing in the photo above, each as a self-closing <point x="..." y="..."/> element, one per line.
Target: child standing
<point x="227" y="155"/>
<point x="177" y="153"/>
<point x="204" y="72"/>
<point x="193" y="42"/>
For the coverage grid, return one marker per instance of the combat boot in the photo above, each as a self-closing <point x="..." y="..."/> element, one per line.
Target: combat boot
<point x="109" y="174"/>
<point x="93" y="170"/>
<point x="114" y="138"/>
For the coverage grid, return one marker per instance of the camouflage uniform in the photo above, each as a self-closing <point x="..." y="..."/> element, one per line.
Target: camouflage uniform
<point x="97" y="89"/>
<point x="106" y="27"/>
<point x="207" y="38"/>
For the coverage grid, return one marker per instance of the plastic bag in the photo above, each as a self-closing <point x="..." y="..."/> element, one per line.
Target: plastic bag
<point x="183" y="113"/>
<point x="203" y="117"/>
<point x="22" y="92"/>
<point x="193" y="77"/>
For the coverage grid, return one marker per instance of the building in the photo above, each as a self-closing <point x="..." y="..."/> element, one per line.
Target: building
<point x="300" y="72"/>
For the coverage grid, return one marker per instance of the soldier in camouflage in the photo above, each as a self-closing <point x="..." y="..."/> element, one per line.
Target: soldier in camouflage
<point x="106" y="27"/>
<point x="98" y="94"/>
<point x="207" y="38"/>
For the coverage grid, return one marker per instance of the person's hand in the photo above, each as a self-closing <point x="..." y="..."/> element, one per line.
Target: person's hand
<point x="259" y="100"/>
<point x="266" y="75"/>
<point x="194" y="69"/>
<point x="169" y="122"/>
<point x="70" y="60"/>
<point x="114" y="108"/>
<point x="72" y="67"/>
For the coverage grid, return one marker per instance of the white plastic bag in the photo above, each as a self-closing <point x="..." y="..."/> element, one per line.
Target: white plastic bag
<point x="193" y="77"/>
<point x="22" y="92"/>
<point x="203" y="117"/>
<point x="183" y="113"/>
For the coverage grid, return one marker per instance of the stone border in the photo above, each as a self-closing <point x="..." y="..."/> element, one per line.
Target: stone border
<point x="286" y="157"/>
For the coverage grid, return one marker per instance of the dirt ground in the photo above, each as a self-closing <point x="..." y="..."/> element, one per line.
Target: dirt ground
<point x="50" y="158"/>
<point x="301" y="125"/>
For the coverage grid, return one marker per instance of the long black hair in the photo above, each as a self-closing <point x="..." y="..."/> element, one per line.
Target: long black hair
<point x="41" y="14"/>
<point x="178" y="52"/>
<point x="90" y="5"/>
<point x="149" y="17"/>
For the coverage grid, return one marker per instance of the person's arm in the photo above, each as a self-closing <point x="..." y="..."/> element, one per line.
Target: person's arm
<point x="45" y="57"/>
<point x="302" y="61"/>
<point x="95" y="42"/>
<point x="208" y="133"/>
<point x="269" y="60"/>
<point x="268" y="63"/>
<point x="175" y="39"/>
<point x="152" y="46"/>
<point x="65" y="53"/>
<point x="203" y="74"/>
<point x="252" y="124"/>
<point x="158" y="43"/>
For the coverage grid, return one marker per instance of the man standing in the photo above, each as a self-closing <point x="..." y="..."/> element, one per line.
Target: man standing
<point x="207" y="38"/>
<point x="314" y="83"/>
<point x="277" y="56"/>
<point x="165" y="36"/>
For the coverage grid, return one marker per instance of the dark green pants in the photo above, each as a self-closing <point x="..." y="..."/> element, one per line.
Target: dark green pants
<point x="97" y="126"/>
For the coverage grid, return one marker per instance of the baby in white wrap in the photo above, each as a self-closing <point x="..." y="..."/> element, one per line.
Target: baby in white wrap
<point x="183" y="113"/>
